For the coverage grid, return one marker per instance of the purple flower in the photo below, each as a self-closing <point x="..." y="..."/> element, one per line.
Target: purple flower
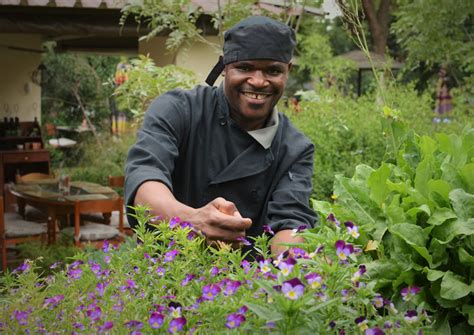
<point x="361" y="322"/>
<point x="106" y="246"/>
<point x="314" y="279"/>
<point x="332" y="218"/>
<point x="231" y="286"/>
<point x="243" y="240"/>
<point x="343" y="250"/>
<point x="409" y="292"/>
<point x="352" y="229"/>
<point x="411" y="316"/>
<point x="265" y="265"/>
<point x="187" y="279"/>
<point x="174" y="222"/>
<point x="234" y="320"/>
<point x="170" y="255"/>
<point x="243" y="310"/>
<point x="268" y="230"/>
<point x="356" y="276"/>
<point x="210" y="291"/>
<point x="106" y="326"/>
<point x="160" y="271"/>
<point x="176" y="325"/>
<point x="75" y="273"/>
<point x="53" y="301"/>
<point x="292" y="289"/>
<point x="156" y="320"/>
<point x="245" y="265"/>
<point x="378" y="301"/>
<point x="21" y="317"/>
<point x="299" y="253"/>
<point x="286" y="266"/>
<point x="214" y="271"/>
<point x="94" y="312"/>
<point x="374" y="331"/>
<point x="134" y="324"/>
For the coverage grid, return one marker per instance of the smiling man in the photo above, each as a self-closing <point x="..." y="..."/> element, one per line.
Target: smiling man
<point x="223" y="158"/>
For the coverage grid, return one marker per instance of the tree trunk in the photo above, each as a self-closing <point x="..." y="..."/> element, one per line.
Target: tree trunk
<point x="378" y="23"/>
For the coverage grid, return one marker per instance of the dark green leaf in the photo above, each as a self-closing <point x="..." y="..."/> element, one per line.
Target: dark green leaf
<point x="465" y="257"/>
<point x="434" y="275"/>
<point x="468" y="310"/>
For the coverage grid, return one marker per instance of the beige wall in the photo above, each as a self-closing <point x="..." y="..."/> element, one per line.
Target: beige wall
<point x="19" y="96"/>
<point x="199" y="57"/>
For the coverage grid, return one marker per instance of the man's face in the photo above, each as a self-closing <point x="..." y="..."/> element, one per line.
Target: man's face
<point x="252" y="88"/>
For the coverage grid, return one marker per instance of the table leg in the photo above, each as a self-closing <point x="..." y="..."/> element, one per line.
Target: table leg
<point x="52" y="224"/>
<point x="21" y="207"/>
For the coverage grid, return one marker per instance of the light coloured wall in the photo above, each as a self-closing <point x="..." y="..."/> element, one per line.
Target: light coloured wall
<point x="19" y="96"/>
<point x="199" y="57"/>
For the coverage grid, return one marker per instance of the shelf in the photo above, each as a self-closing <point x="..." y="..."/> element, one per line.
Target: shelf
<point x="22" y="138"/>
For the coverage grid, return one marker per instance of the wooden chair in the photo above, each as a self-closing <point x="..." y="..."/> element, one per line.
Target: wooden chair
<point x="14" y="230"/>
<point x="31" y="213"/>
<point x="116" y="182"/>
<point x="96" y="233"/>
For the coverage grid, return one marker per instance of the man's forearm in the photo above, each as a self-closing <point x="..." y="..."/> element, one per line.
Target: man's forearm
<point x="162" y="202"/>
<point x="283" y="236"/>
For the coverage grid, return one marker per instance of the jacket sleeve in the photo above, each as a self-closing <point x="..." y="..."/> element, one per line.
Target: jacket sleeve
<point x="153" y="155"/>
<point x="289" y="206"/>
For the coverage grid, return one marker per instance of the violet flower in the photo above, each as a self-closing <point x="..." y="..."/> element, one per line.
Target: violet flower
<point x="411" y="316"/>
<point x="209" y="292"/>
<point x="409" y="292"/>
<point x="170" y="255"/>
<point x="352" y="229"/>
<point x="176" y="325"/>
<point x="156" y="320"/>
<point x="286" y="266"/>
<point x="374" y="331"/>
<point x="314" y="280"/>
<point x="292" y="289"/>
<point x="234" y="320"/>
<point x="343" y="250"/>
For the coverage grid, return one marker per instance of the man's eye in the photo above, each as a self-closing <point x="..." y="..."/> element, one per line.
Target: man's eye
<point x="274" y="72"/>
<point x="243" y="68"/>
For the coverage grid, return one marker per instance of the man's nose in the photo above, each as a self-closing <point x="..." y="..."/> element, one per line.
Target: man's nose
<point x="258" y="79"/>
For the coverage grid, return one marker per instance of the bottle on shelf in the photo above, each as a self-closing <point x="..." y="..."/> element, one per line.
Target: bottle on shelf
<point x="5" y="127"/>
<point x="17" y="127"/>
<point x="36" y="130"/>
<point x="11" y="127"/>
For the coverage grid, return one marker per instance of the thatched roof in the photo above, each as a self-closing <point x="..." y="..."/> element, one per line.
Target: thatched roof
<point x="363" y="62"/>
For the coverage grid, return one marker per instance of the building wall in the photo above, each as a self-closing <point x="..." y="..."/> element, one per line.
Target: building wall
<point x="19" y="96"/>
<point x="199" y="57"/>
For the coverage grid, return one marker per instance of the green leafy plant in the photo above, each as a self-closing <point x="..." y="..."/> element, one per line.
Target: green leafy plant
<point x="416" y="213"/>
<point x="146" y="81"/>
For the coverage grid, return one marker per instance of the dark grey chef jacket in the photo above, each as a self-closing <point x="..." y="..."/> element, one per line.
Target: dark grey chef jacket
<point x="189" y="142"/>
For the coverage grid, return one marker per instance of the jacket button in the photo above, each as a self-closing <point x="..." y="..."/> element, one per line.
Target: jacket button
<point x="222" y="122"/>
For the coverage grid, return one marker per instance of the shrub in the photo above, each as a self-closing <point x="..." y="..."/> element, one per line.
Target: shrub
<point x="173" y="282"/>
<point x="416" y="215"/>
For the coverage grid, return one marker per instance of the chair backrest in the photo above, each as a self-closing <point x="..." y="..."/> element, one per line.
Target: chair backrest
<point x="2" y="219"/>
<point x="116" y="181"/>
<point x="32" y="177"/>
<point x="50" y="129"/>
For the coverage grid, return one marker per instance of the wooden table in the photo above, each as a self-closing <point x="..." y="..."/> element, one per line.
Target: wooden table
<point x="45" y="196"/>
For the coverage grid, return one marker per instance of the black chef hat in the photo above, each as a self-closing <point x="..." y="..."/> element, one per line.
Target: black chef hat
<point x="256" y="37"/>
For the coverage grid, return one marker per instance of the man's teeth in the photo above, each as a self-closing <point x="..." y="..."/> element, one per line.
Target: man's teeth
<point x="255" y="95"/>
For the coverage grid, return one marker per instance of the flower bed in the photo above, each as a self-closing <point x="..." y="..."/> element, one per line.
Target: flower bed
<point x="171" y="282"/>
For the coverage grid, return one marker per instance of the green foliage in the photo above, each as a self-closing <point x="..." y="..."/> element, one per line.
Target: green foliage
<point x="146" y="81"/>
<point x="71" y="80"/>
<point x="419" y="211"/>
<point x="436" y="33"/>
<point x="100" y="161"/>
<point x="171" y="276"/>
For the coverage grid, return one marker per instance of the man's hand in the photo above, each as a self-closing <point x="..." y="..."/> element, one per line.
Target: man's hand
<point x="283" y="236"/>
<point x="220" y="220"/>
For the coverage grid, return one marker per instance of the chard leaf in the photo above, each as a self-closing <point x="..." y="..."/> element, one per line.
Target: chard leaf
<point x="401" y="187"/>
<point x="424" y="173"/>
<point x="439" y="186"/>
<point x="463" y="203"/>
<point x="467" y="175"/>
<point x="413" y="212"/>
<point x="452" y="145"/>
<point x="468" y="310"/>
<point x="440" y="215"/>
<point x="394" y="212"/>
<point x="377" y="184"/>
<point x="453" y="288"/>
<point x="414" y="236"/>
<point x="450" y="229"/>
<point x="434" y="275"/>
<point x="465" y="257"/>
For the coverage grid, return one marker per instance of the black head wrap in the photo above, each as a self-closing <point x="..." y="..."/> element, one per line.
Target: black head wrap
<point x="256" y="37"/>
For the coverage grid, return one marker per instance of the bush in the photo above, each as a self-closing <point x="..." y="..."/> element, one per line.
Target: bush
<point x="416" y="216"/>
<point x="173" y="282"/>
